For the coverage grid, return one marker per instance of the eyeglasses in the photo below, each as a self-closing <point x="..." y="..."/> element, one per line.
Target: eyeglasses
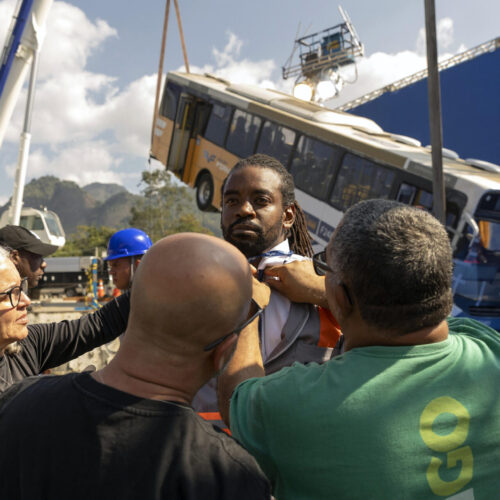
<point x="15" y="292"/>
<point x="320" y="265"/>
<point x="321" y="268"/>
<point x="237" y="330"/>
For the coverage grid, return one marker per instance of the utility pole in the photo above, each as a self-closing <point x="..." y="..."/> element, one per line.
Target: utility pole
<point x="435" y="123"/>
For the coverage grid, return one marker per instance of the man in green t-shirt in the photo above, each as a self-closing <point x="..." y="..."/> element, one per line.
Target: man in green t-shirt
<point x="411" y="409"/>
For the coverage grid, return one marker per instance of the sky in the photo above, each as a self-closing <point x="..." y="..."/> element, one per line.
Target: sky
<point x="98" y="67"/>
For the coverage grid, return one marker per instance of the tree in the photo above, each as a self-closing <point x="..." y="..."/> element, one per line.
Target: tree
<point x="86" y="240"/>
<point x="166" y="208"/>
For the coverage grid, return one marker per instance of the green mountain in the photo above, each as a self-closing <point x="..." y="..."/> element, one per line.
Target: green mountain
<point x="102" y="192"/>
<point x="80" y="206"/>
<point x="114" y="211"/>
<point x="96" y="204"/>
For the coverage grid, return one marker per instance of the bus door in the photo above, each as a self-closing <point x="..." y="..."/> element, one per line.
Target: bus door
<point x="182" y="134"/>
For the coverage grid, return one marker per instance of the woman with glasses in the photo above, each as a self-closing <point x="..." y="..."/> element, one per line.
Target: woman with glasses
<point x="27" y="350"/>
<point x="13" y="303"/>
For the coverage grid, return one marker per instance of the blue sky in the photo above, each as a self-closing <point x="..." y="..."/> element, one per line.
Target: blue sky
<point x="93" y="107"/>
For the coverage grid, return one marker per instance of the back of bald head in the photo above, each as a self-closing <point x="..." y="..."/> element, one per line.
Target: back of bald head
<point x="189" y="290"/>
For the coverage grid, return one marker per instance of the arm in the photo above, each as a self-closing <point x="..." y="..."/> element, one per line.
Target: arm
<point x="298" y="282"/>
<point x="52" y="344"/>
<point x="246" y="361"/>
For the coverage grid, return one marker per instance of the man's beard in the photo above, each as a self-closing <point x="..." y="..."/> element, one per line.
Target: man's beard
<point x="255" y="246"/>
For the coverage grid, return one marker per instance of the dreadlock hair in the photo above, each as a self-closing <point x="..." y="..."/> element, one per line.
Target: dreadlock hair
<point x="298" y="236"/>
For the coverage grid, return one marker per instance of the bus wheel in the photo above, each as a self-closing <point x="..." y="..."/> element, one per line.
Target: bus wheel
<point x="204" y="192"/>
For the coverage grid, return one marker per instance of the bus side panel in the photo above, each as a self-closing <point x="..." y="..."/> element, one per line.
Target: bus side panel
<point x="322" y="219"/>
<point x="214" y="159"/>
<point x="162" y="137"/>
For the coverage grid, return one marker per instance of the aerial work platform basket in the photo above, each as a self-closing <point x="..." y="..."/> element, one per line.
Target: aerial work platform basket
<point x="325" y="50"/>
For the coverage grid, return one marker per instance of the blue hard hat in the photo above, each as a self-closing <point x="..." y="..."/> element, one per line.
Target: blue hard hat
<point x="128" y="243"/>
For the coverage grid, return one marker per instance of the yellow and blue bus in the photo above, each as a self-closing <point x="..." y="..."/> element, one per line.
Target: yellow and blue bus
<point x="206" y="124"/>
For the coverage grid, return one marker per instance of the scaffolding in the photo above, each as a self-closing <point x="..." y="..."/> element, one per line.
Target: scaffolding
<point x="328" y="49"/>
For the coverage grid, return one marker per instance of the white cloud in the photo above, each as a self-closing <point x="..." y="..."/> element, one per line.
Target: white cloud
<point x="232" y="49"/>
<point x="444" y="33"/>
<point x="376" y="71"/>
<point x="64" y="107"/>
<point x="71" y="39"/>
<point x="381" y="69"/>
<point x="86" y="128"/>
<point x="373" y="72"/>
<point x="75" y="107"/>
<point x="83" y="163"/>
<point x="130" y="115"/>
<point x="229" y="66"/>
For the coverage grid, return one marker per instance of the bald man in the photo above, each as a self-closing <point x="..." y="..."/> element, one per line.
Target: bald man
<point x="128" y="431"/>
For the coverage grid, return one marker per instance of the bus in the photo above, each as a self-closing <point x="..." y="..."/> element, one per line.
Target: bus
<point x="206" y="124"/>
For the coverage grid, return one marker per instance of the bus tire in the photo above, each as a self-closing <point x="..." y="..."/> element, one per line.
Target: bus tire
<point x="205" y="192"/>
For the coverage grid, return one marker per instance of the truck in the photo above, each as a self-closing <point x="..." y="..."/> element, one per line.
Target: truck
<point x="69" y="276"/>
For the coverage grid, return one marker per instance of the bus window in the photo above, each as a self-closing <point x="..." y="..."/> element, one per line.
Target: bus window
<point x="423" y="199"/>
<point x="217" y="124"/>
<point x="406" y="194"/>
<point x="243" y="133"/>
<point x="311" y="166"/>
<point x="201" y="118"/>
<point x="276" y="141"/>
<point x="411" y="195"/>
<point x="360" y="179"/>
<point x="169" y="101"/>
<point x="452" y="213"/>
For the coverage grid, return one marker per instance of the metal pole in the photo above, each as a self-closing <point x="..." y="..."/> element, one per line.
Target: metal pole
<point x="186" y="63"/>
<point x="160" y="69"/>
<point x="435" y="124"/>
<point x="24" y="146"/>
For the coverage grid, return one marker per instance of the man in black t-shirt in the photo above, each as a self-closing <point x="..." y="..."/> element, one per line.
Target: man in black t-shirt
<point x="128" y="431"/>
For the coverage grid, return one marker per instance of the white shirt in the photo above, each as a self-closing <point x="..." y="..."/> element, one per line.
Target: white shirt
<point x="276" y="313"/>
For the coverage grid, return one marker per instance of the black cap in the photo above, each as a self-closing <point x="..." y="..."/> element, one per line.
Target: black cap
<point x="20" y="238"/>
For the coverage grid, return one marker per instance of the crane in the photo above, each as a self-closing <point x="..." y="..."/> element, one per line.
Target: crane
<point x="20" y="53"/>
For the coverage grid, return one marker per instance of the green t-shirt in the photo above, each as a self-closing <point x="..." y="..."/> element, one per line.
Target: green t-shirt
<point x="381" y="422"/>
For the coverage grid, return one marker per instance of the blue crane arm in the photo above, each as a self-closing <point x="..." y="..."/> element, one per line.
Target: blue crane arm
<point x="13" y="40"/>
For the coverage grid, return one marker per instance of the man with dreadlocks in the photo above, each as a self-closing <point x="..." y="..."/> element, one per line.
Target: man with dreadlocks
<point x="261" y="217"/>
